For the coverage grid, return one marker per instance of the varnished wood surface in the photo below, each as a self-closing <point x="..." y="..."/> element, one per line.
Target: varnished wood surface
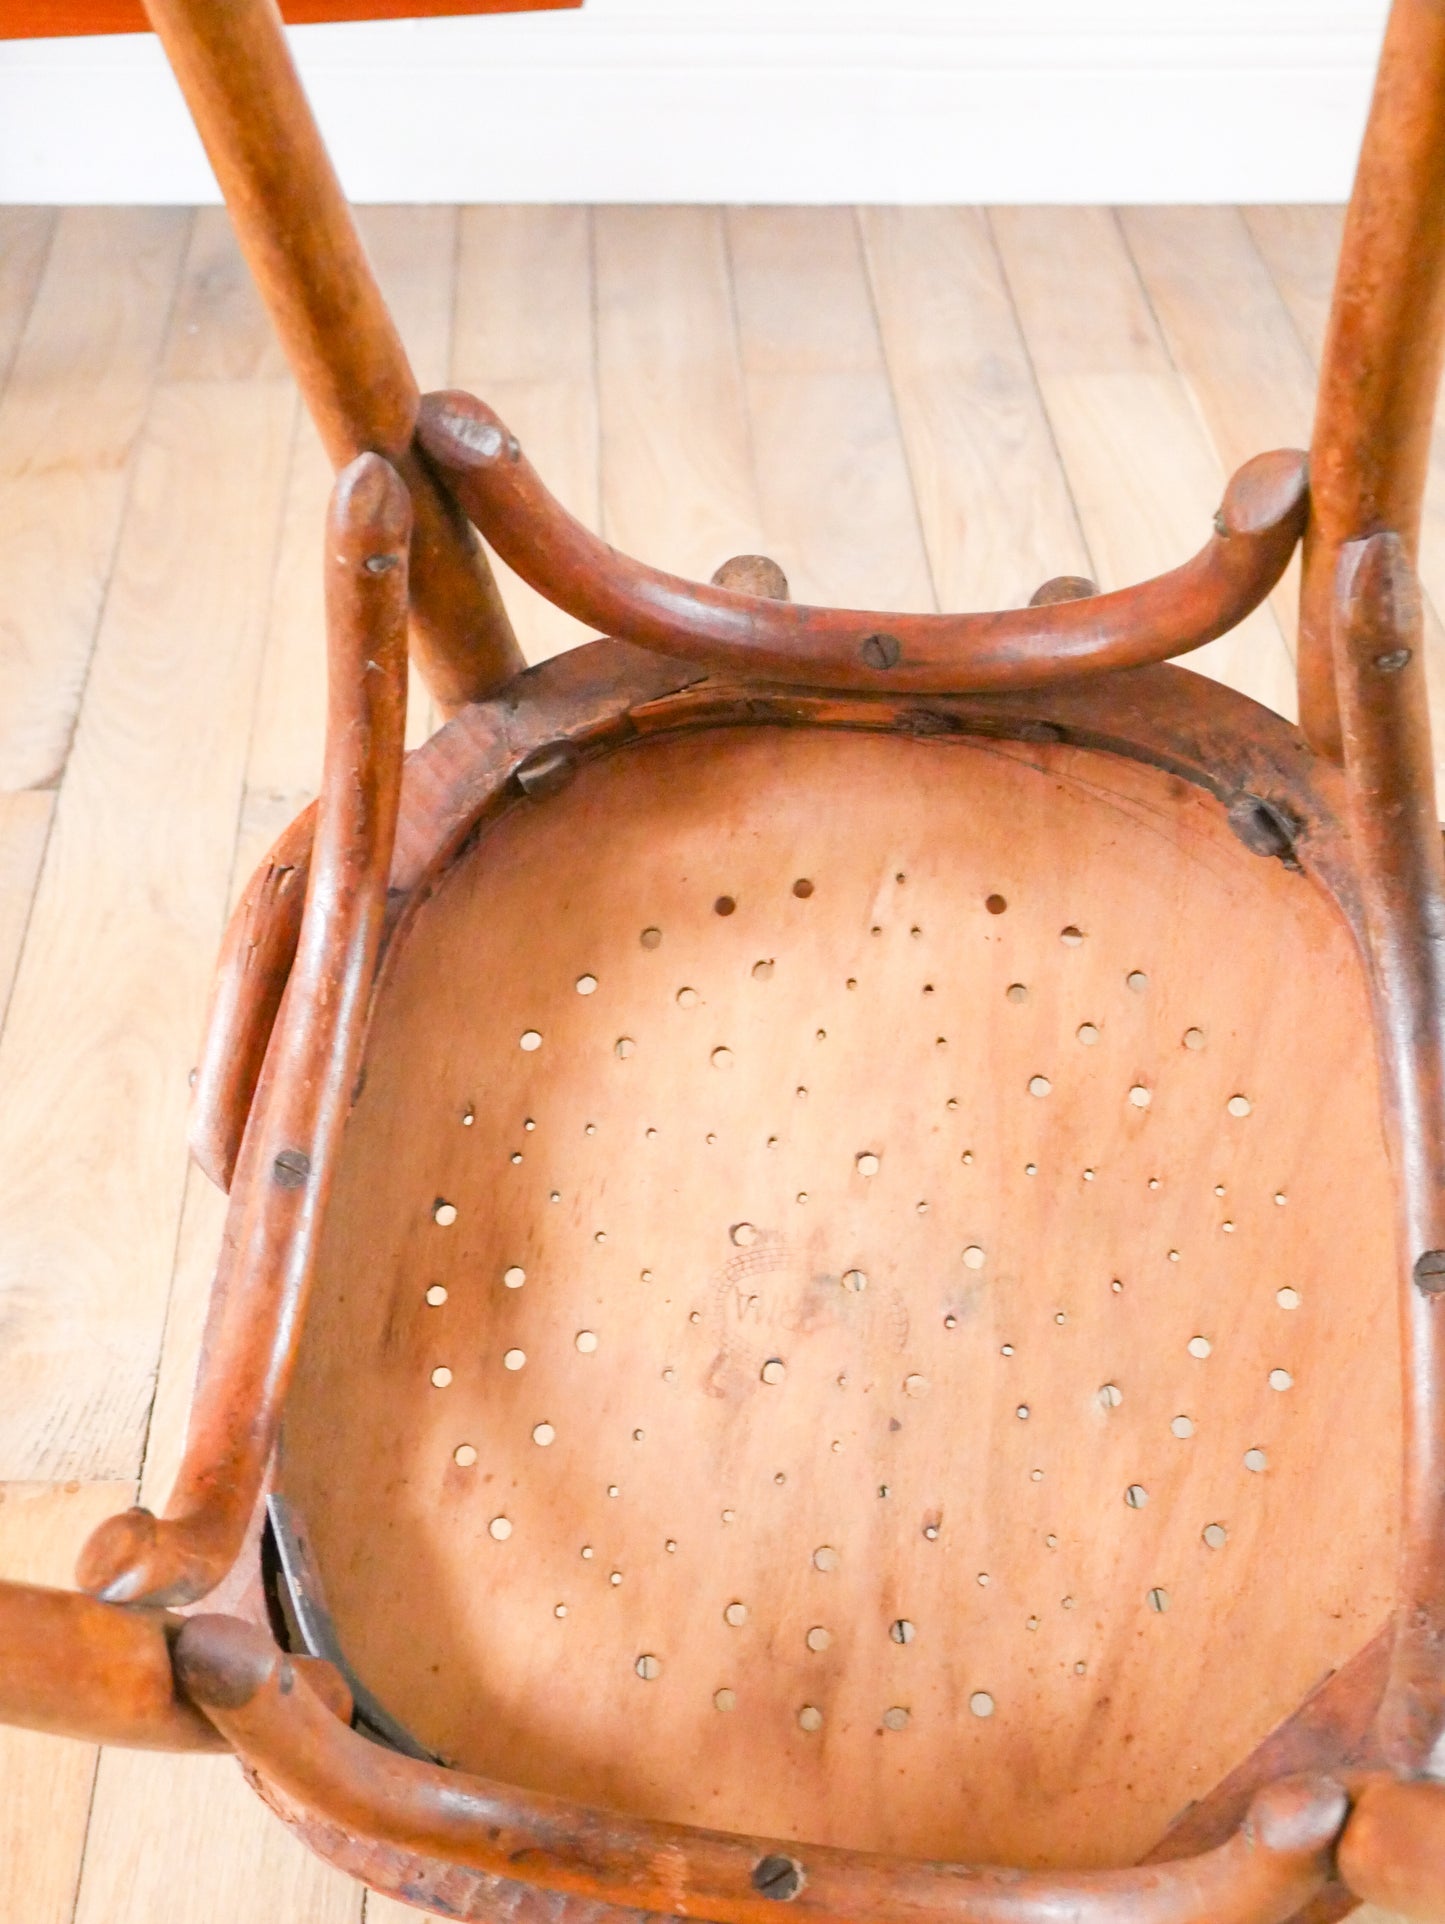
<point x="669" y="367"/>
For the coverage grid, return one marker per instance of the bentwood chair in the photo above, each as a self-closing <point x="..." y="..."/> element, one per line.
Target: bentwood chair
<point x="833" y="1286"/>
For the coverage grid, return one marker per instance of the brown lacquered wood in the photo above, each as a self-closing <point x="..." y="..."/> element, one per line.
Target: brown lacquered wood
<point x="78" y="1668"/>
<point x="302" y="246"/>
<point x="816" y="1189"/>
<point x="289" y="1151"/>
<point x="1386" y="738"/>
<point x="1256" y="530"/>
<point x="257" y="951"/>
<point x="1381" y="366"/>
<point x="456" y="1628"/>
<point x="588" y="697"/>
<point x="1392" y="1852"/>
<point x="1273" y="1865"/>
<point x="36" y="19"/>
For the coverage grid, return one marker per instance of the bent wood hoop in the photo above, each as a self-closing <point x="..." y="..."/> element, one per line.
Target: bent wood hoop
<point x="830" y="1165"/>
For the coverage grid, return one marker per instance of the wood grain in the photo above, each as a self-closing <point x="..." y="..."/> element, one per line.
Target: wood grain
<point x="837" y="501"/>
<point x="72" y="409"/>
<point x="25" y="234"/>
<point x="525" y="339"/>
<point x="413" y="250"/>
<point x="1143" y="473"/>
<point x="24" y="829"/>
<point x="662" y="1444"/>
<point x="1231" y="338"/>
<point x="1300" y="246"/>
<point x="185" y="1840"/>
<point x="89" y="1129"/>
<point x="108" y="999"/>
<point x="46" y="1781"/>
<point x="678" y="482"/>
<point x="994" y="505"/>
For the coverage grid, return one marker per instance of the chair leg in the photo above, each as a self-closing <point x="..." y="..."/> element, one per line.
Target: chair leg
<point x="301" y="244"/>
<point x="288" y="1155"/>
<point x="1381" y="366"/>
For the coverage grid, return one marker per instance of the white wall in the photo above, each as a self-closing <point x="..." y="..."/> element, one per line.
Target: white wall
<point x="757" y="100"/>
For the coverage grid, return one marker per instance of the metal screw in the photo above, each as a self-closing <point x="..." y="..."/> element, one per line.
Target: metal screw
<point x="380" y="564"/>
<point x="1263" y="826"/>
<point x="1430" y="1272"/>
<point x="881" y="651"/>
<point x="778" y="1876"/>
<point x="1393" y="662"/>
<point x="548" y="770"/>
<point x="1221" y="526"/>
<point x="293" y="1166"/>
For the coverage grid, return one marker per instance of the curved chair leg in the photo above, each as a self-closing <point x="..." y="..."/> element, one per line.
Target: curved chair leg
<point x="78" y="1668"/>
<point x="1380" y="677"/>
<point x="1280" y="1856"/>
<point x="1381" y="367"/>
<point x="289" y="1151"/>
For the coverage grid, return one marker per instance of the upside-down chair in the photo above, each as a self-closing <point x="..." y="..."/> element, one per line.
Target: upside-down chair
<point x="835" y="1266"/>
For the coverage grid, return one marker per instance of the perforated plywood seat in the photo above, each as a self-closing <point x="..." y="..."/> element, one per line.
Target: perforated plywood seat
<point x="834" y="1285"/>
<point x="846" y="1269"/>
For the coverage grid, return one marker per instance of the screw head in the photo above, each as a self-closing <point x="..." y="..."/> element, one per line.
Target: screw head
<point x="1263" y="826"/>
<point x="291" y="1168"/>
<point x="881" y="651"/>
<point x="1430" y="1272"/>
<point x="778" y="1876"/>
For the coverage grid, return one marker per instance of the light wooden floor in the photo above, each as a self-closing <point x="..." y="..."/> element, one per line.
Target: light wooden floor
<point x="909" y="408"/>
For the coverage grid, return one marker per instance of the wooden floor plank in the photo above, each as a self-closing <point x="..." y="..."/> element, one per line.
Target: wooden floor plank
<point x="79" y="385"/>
<point x="46" y="1782"/>
<point x="24" y="828"/>
<point x="108" y="999"/>
<point x="1300" y="246"/>
<point x="1143" y="473"/>
<point x="837" y="499"/>
<point x="25" y="235"/>
<point x="1232" y="340"/>
<point x="185" y="1840"/>
<point x="677" y="482"/>
<point x="525" y="343"/>
<point x="995" y="508"/>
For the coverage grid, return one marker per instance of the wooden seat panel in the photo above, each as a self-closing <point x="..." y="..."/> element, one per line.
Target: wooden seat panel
<point x="858" y="1302"/>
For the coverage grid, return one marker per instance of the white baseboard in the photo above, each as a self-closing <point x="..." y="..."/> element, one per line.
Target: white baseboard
<point x="765" y="100"/>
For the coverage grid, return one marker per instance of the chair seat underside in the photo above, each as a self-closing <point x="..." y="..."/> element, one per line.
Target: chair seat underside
<point x="858" y="1302"/>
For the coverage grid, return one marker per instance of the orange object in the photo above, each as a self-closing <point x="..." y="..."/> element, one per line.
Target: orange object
<point x="40" y="19"/>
